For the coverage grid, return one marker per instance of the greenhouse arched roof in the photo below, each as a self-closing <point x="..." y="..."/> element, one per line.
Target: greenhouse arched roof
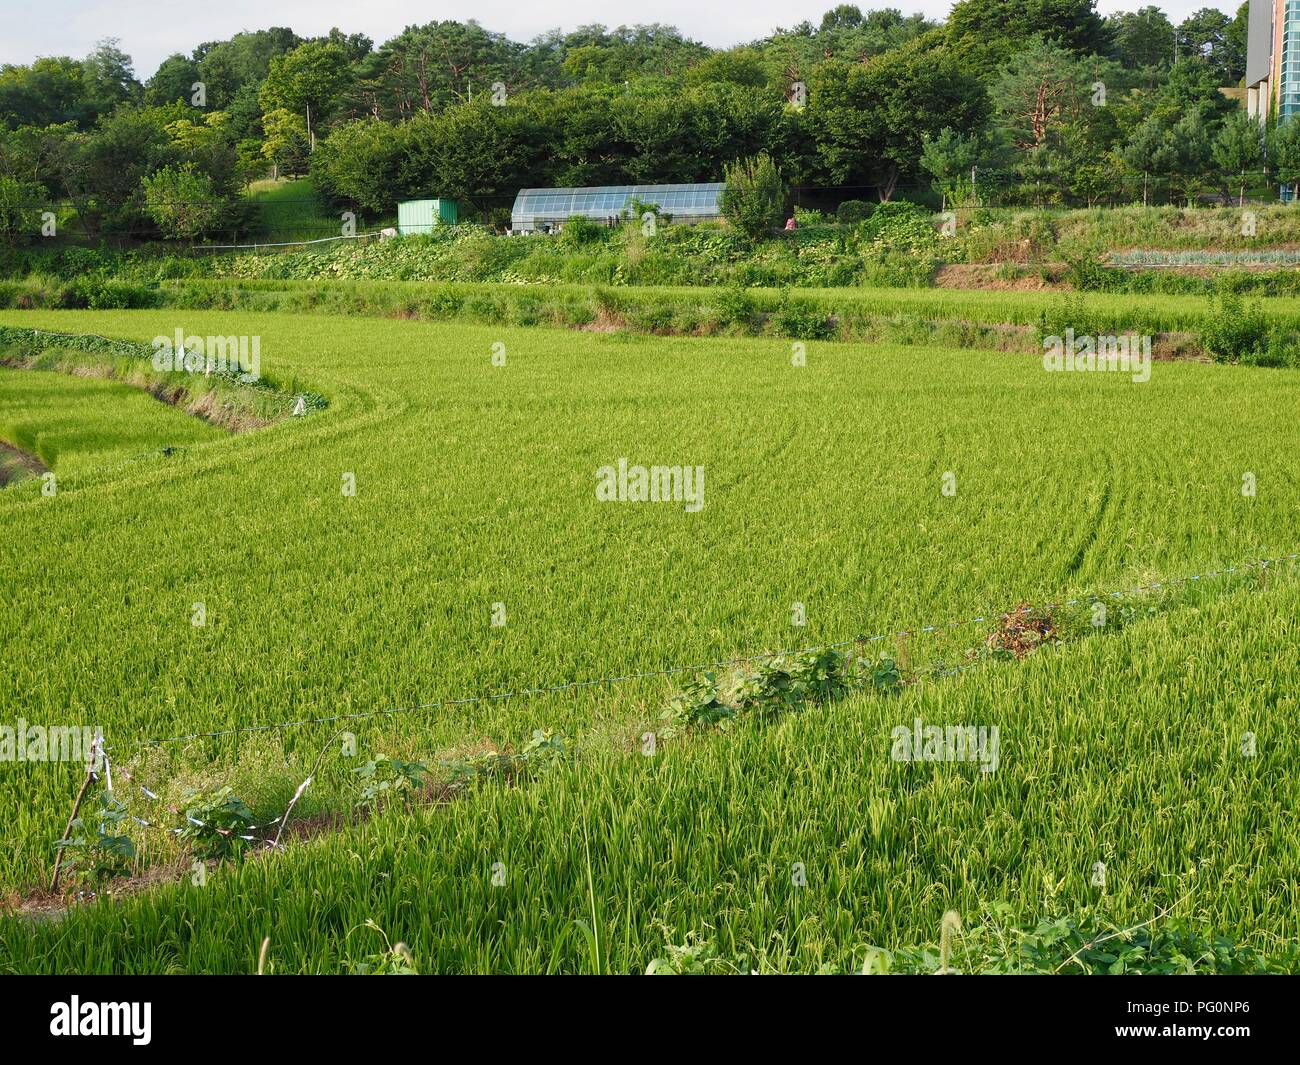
<point x="536" y="207"/>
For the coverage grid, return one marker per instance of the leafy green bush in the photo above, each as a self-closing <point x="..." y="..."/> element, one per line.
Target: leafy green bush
<point x="216" y="823"/>
<point x="698" y="704"/>
<point x="880" y="674"/>
<point x="1238" y="332"/>
<point x="900" y="226"/>
<point x="801" y="320"/>
<point x="382" y="777"/>
<point x="884" y="268"/>
<point x="851" y="212"/>
<point x="736" y="307"/>
<point x="104" y="294"/>
<point x="754" y="198"/>
<point x="99" y="854"/>
<point x="771" y="686"/>
<point x="579" y="231"/>
<point x="1086" y="274"/>
<point x="1068" y="312"/>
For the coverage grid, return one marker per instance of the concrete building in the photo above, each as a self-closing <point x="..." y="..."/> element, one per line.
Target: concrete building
<point x="1273" y="59"/>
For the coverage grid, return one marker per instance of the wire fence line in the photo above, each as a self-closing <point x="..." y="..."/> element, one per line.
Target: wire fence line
<point x="862" y="639"/>
<point x="285" y="244"/>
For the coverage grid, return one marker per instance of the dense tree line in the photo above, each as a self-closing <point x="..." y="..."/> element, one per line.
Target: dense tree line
<point x="1039" y="101"/>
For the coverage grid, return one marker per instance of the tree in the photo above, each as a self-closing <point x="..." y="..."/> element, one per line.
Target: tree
<point x="1038" y="91"/>
<point x="209" y="145"/>
<point x="1285" y="151"/>
<point x="1239" y="149"/>
<point x="286" y="146"/>
<point x="1205" y="34"/>
<point x="307" y="81"/>
<point x="183" y="201"/>
<point x="740" y="66"/>
<point x="20" y="213"/>
<point x="1235" y="42"/>
<point x="49" y="92"/>
<point x="104" y="175"/>
<point x="754" y="199"/>
<point x="174" y="80"/>
<point x="1143" y="41"/>
<point x="474" y="151"/>
<point x="950" y="157"/>
<point x="227" y="66"/>
<point x="426" y="68"/>
<point x="597" y="56"/>
<point x="869" y="119"/>
<point x="992" y="29"/>
<point x="108" y="77"/>
<point x="1180" y="152"/>
<point x="358" y="163"/>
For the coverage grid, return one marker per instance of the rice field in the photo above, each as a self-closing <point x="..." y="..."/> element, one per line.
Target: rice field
<point x="437" y="533"/>
<point x="1096" y="311"/>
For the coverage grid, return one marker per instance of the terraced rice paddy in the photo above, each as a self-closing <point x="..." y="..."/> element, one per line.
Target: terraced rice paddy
<point x="874" y="488"/>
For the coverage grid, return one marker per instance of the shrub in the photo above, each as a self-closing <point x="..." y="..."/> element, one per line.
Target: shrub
<point x="216" y="823"/>
<point x="1283" y="350"/>
<point x="754" y="198"/>
<point x="900" y="226"/>
<point x="1238" y="332"/>
<point x="183" y="201"/>
<point x="1063" y="314"/>
<point x="579" y="231"/>
<point x="698" y="704"/>
<point x="801" y="320"/>
<point x="98" y="855"/>
<point x="383" y="777"/>
<point x="851" y="212"/>
<point x="1088" y="275"/>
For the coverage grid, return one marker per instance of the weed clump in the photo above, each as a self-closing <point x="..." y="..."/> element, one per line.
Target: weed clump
<point x="1023" y="631"/>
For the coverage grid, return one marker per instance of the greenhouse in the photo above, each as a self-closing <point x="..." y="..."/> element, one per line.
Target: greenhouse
<point x="547" y="209"/>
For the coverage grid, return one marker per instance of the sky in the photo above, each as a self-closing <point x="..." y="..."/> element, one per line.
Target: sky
<point x="151" y="30"/>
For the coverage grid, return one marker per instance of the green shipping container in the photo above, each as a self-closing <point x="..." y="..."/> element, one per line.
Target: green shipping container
<point x="420" y="216"/>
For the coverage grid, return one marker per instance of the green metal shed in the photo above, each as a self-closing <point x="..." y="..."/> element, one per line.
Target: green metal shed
<point x="420" y="216"/>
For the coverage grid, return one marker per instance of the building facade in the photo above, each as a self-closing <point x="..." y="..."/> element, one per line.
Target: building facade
<point x="1273" y="59"/>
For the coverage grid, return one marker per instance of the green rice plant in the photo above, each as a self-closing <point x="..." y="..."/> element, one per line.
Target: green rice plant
<point x="395" y="959"/>
<point x="475" y="486"/>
